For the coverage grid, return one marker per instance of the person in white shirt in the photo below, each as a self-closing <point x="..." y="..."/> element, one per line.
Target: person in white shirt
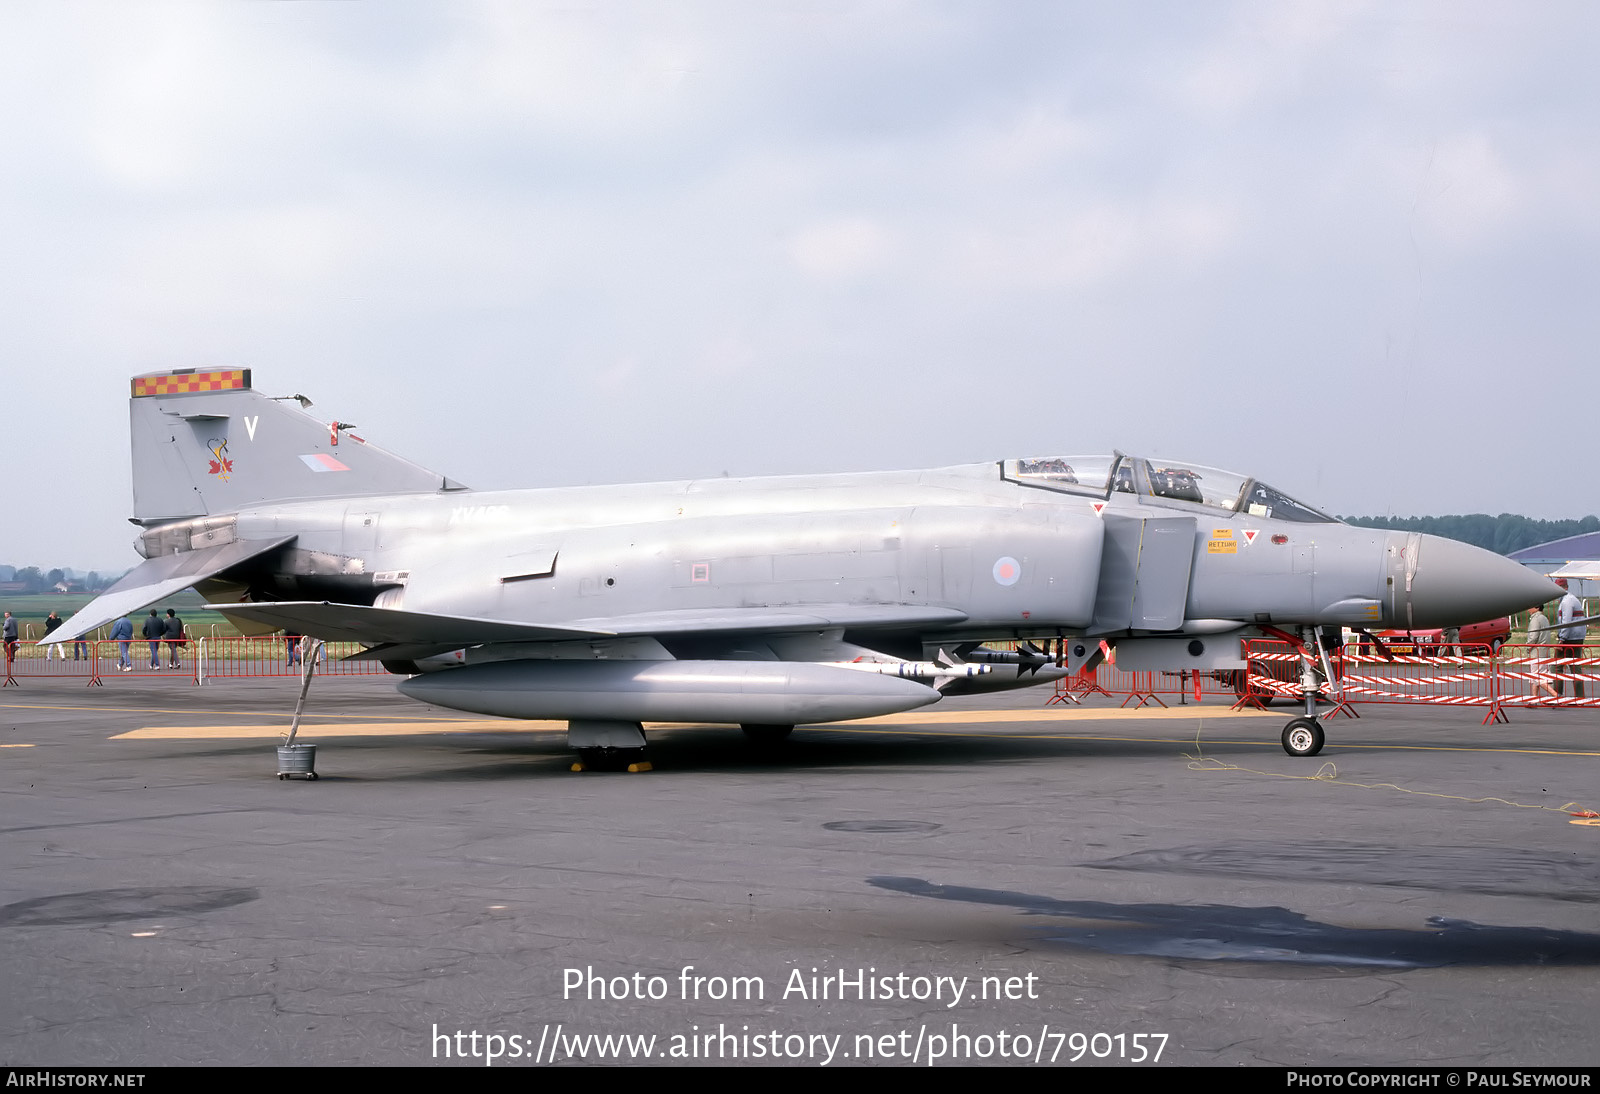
<point x="1539" y="636"/>
<point x="1570" y="637"/>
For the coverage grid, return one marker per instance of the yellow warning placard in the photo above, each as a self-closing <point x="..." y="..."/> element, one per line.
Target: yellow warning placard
<point x="1222" y="547"/>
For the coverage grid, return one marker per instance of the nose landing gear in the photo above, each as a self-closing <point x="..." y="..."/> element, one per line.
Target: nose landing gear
<point x="1303" y="737"/>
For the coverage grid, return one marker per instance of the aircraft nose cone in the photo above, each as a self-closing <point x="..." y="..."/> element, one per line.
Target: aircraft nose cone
<point x="1456" y="583"/>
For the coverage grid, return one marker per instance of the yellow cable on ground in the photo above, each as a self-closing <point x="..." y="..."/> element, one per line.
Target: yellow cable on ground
<point x="1329" y="773"/>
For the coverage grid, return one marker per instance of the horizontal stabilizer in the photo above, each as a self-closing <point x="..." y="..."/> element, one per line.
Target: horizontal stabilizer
<point x="380" y="626"/>
<point x="160" y="577"/>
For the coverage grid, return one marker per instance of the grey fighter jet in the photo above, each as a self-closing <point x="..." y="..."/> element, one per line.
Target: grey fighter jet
<point x="764" y="603"/>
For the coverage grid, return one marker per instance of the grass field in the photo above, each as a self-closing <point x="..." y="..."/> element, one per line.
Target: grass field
<point x="31" y="611"/>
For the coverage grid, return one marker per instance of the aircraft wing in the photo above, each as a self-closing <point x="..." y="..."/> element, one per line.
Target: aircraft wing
<point x="402" y="634"/>
<point x="385" y="626"/>
<point x="157" y="578"/>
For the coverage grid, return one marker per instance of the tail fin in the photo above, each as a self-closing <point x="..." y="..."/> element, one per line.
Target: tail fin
<point x="205" y="442"/>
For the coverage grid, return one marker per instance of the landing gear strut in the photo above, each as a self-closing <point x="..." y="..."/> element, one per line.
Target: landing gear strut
<point x="1303" y="736"/>
<point x="296" y="761"/>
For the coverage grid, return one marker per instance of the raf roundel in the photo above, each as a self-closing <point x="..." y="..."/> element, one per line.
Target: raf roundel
<point x="1007" y="571"/>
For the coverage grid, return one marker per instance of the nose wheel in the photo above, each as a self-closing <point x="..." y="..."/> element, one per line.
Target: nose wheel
<point x="1303" y="737"/>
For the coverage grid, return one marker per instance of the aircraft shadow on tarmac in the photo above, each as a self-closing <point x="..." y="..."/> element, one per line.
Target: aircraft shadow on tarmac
<point x="703" y="750"/>
<point x="1221" y="932"/>
<point x="1498" y="871"/>
<point x="101" y="906"/>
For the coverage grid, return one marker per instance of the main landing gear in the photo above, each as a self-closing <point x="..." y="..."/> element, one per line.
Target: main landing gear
<point x="607" y="746"/>
<point x="766" y="736"/>
<point x="612" y="759"/>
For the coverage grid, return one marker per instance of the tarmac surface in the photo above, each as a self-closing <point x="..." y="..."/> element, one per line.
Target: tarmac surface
<point x="989" y="881"/>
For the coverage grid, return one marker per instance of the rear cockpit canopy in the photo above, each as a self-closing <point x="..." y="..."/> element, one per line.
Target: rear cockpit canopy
<point x="1169" y="481"/>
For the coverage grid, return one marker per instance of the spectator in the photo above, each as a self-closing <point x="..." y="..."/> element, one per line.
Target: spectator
<point x="172" y="631"/>
<point x="1570" y="637"/>
<point x="122" y="634"/>
<point x="1539" y="636"/>
<point x="51" y="624"/>
<point x="153" y="630"/>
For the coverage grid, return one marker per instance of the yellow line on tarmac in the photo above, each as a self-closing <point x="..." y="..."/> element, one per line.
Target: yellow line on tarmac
<point x="847" y="728"/>
<point x="240" y="713"/>
<point x="890" y="725"/>
<point x="1462" y="748"/>
<point x="509" y="725"/>
<point x="1055" y="714"/>
<point x="362" y="729"/>
<point x="16" y="746"/>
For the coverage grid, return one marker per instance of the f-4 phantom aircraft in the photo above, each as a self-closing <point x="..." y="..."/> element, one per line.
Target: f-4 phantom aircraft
<point x="768" y="602"/>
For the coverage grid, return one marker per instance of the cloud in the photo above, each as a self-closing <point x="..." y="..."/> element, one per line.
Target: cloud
<point x="841" y="247"/>
<point x="848" y="211"/>
<point x="1468" y="193"/>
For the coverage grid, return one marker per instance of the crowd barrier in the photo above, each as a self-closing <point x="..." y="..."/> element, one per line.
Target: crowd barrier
<point x="72" y="659"/>
<point x="1523" y="667"/>
<point x="1492" y="680"/>
<point x="1454" y="676"/>
<point x="1139" y="689"/>
<point x="226" y="657"/>
<point x="1273" y="671"/>
<point x="192" y="659"/>
<point x="1468" y="676"/>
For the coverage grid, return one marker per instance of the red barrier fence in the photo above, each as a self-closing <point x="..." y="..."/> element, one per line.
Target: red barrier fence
<point x="1456" y="676"/>
<point x="1450" y="678"/>
<point x="1143" y="688"/>
<point x="1574" y="678"/>
<point x="72" y="659"/>
<point x="195" y="659"/>
<point x="280" y="657"/>
<point x="1470" y="676"/>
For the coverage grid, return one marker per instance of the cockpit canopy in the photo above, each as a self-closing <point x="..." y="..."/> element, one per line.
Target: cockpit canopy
<point x="1100" y="476"/>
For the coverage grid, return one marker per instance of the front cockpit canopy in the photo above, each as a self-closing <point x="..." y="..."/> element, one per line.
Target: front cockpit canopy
<point x="1100" y="476"/>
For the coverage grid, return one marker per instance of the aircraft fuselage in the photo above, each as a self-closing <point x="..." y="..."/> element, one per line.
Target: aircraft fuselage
<point x="1011" y="560"/>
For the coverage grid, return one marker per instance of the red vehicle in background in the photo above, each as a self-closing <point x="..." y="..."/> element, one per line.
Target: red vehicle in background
<point x="1489" y="635"/>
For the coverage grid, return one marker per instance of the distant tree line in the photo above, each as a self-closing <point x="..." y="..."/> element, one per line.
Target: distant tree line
<point x="1503" y="534"/>
<point x="31" y="580"/>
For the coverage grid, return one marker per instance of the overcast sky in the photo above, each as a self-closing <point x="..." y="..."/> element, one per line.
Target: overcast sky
<point x="1349" y="248"/>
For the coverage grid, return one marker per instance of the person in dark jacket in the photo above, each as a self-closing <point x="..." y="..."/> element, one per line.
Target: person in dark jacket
<point x="121" y="634"/>
<point x="153" y="630"/>
<point x="51" y="625"/>
<point x="9" y="637"/>
<point x="172" y="631"/>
